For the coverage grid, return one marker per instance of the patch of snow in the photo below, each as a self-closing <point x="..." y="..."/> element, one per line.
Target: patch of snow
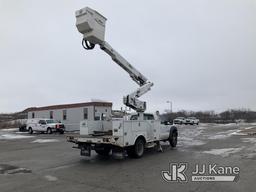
<point x="51" y="178"/>
<point x="250" y="127"/>
<point x="204" y="124"/>
<point x="238" y="133"/>
<point x="249" y="140"/>
<point x="9" y="130"/>
<point x="249" y="155"/>
<point x="201" y="127"/>
<point x="45" y="141"/>
<point x="190" y="137"/>
<point x="187" y="142"/>
<point x="223" y="152"/>
<point x="18" y="132"/>
<point x="18" y="170"/>
<point x="14" y="136"/>
<point x="225" y="134"/>
<point x="218" y="137"/>
<point x="229" y="124"/>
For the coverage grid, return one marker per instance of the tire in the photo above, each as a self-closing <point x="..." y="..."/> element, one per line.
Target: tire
<point x="49" y="130"/>
<point x="61" y="131"/>
<point x="30" y="130"/>
<point x="130" y="152"/>
<point x="104" y="152"/>
<point x="138" y="148"/>
<point x="173" y="137"/>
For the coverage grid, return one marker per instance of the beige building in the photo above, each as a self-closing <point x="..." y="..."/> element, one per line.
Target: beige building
<point x="72" y="114"/>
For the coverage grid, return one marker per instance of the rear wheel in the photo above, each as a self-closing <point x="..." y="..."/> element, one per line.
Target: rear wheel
<point x="104" y="152"/>
<point x="137" y="150"/>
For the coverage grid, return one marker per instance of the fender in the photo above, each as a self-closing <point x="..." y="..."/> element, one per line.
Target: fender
<point x="140" y="135"/>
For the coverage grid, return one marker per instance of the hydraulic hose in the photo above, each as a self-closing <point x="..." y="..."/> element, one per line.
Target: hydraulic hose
<point x="87" y="45"/>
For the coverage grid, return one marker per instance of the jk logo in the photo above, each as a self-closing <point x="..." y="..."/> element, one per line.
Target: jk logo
<point x="176" y="173"/>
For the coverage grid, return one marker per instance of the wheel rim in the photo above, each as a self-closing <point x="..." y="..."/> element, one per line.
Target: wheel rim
<point x="174" y="138"/>
<point x="140" y="148"/>
<point x="48" y="131"/>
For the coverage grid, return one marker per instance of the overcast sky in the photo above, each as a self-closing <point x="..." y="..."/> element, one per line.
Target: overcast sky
<point x="201" y="55"/>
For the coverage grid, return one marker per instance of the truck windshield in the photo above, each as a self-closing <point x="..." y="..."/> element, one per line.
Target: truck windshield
<point x="149" y="117"/>
<point x="134" y="117"/>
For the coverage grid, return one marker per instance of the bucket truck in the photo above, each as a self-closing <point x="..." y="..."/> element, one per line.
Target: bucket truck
<point x="133" y="133"/>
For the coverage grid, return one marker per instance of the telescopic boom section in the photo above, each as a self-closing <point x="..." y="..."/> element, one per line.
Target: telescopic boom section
<point x="92" y="25"/>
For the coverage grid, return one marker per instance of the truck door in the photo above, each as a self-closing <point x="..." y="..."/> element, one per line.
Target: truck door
<point x="149" y="120"/>
<point x="41" y="125"/>
<point x="35" y="125"/>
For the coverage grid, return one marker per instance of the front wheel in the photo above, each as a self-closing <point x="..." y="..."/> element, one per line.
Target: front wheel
<point x="49" y="131"/>
<point x="173" y="137"/>
<point x="30" y="130"/>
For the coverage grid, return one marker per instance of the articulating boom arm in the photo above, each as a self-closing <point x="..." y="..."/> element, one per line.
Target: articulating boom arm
<point x="92" y="25"/>
<point x="131" y="99"/>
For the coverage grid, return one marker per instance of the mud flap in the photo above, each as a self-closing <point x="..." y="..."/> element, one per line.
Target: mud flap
<point x="85" y="150"/>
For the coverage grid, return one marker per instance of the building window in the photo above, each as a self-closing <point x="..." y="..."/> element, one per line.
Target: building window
<point x="85" y="113"/>
<point x="64" y="114"/>
<point x="33" y="115"/>
<point x="51" y="114"/>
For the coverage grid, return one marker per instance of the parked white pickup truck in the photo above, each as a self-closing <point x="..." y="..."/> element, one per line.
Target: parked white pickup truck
<point x="179" y="120"/>
<point x="192" y="121"/>
<point x="132" y="134"/>
<point x="45" y="125"/>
